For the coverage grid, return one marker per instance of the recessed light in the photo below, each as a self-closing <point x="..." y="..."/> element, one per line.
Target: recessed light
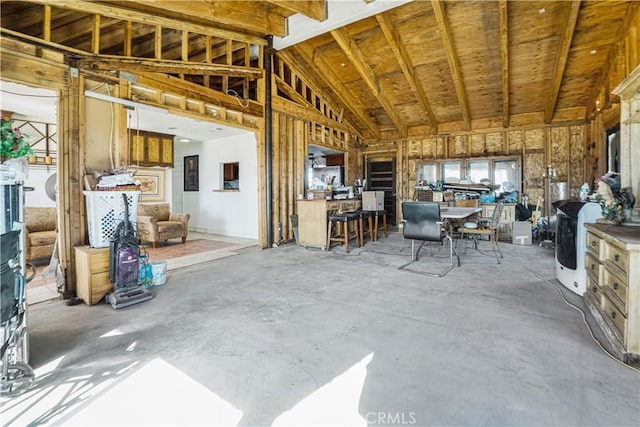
<point x="343" y="64"/>
<point x="184" y="140"/>
<point x="542" y="10"/>
<point x="593" y="51"/>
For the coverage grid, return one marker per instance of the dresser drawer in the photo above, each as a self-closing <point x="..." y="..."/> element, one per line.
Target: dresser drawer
<point x="593" y="267"/>
<point x="615" y="316"/>
<point x="593" y="244"/>
<point x="594" y="291"/>
<point x="618" y="257"/>
<point x="618" y="287"/>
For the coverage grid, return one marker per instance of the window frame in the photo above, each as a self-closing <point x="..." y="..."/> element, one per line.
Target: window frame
<point x="464" y="167"/>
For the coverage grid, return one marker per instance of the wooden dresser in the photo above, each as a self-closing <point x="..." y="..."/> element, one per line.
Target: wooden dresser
<point x="92" y="273"/>
<point x="312" y="219"/>
<point x="612" y="261"/>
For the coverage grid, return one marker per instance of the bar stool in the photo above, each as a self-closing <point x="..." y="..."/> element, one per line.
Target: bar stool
<point x="343" y="220"/>
<point x="376" y="215"/>
<point x="368" y="216"/>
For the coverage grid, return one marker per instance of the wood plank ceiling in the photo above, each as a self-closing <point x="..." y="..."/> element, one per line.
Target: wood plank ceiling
<point x="424" y="67"/>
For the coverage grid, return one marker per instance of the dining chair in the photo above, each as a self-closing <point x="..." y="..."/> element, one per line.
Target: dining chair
<point x="421" y="221"/>
<point x="488" y="228"/>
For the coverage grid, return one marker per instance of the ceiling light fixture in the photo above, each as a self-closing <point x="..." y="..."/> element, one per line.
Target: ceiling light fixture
<point x="542" y="10"/>
<point x="593" y="51"/>
<point x="124" y="102"/>
<point x="184" y="140"/>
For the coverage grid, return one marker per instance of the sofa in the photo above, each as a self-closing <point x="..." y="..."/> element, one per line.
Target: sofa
<point x="155" y="222"/>
<point x="40" y="231"/>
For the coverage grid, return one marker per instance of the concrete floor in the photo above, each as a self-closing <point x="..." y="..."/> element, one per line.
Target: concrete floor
<point x="291" y="336"/>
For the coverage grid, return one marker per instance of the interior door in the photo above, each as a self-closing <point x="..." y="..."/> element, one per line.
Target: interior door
<point x="381" y="176"/>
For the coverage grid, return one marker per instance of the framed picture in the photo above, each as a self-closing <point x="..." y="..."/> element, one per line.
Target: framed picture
<point x="151" y="184"/>
<point x="191" y="176"/>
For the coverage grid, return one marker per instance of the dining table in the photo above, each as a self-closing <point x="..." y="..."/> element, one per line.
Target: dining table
<point x="452" y="212"/>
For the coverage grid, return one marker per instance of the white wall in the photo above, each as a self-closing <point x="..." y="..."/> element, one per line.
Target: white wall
<point x="220" y="212"/>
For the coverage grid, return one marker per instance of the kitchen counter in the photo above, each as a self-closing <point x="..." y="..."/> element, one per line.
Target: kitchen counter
<point x="312" y="218"/>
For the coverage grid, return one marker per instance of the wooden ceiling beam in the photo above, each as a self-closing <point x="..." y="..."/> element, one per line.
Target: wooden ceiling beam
<point x="167" y="66"/>
<point x="331" y="79"/>
<point x="197" y="92"/>
<point x="404" y="60"/>
<point x="630" y="17"/>
<point x="104" y="9"/>
<point x="314" y="9"/>
<point x="356" y="57"/>
<point x="504" y="56"/>
<point x="254" y="16"/>
<point x="561" y="59"/>
<point x="454" y="66"/>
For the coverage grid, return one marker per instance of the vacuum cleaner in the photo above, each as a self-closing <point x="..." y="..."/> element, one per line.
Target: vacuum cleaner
<point x="124" y="259"/>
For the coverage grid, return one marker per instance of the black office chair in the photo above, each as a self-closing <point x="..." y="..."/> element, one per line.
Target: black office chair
<point x="421" y="221"/>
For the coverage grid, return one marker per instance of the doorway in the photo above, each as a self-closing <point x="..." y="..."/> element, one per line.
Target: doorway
<point x="381" y="176"/>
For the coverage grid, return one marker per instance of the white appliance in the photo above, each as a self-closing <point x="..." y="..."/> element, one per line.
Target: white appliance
<point x="571" y="237"/>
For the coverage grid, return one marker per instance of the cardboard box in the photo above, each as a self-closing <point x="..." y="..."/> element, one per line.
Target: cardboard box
<point x="372" y="200"/>
<point x="521" y="233"/>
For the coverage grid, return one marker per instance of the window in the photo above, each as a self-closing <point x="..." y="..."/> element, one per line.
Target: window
<point x="427" y="173"/>
<point x="231" y="176"/>
<point x="503" y="171"/>
<point x="477" y="170"/>
<point x="451" y="171"/>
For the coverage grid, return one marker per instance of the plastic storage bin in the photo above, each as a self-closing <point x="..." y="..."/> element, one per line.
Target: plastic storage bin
<point x="105" y="210"/>
<point x="159" y="269"/>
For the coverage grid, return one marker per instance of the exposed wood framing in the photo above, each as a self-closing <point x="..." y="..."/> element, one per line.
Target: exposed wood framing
<point x="454" y="66"/>
<point x="332" y="80"/>
<point x="46" y="23"/>
<point x="150" y="19"/>
<point x="302" y="89"/>
<point x="561" y="59"/>
<point x="95" y="34"/>
<point x="404" y="60"/>
<point x="134" y="65"/>
<point x="629" y="19"/>
<point x="314" y="9"/>
<point x="198" y="93"/>
<point x="356" y="57"/>
<point x="228" y="13"/>
<point x="504" y="56"/>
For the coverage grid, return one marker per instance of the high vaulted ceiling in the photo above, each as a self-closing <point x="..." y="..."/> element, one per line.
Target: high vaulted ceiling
<point x="422" y="67"/>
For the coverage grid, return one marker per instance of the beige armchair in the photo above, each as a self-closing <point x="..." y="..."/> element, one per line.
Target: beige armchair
<point x="156" y="222"/>
<point x="40" y="231"/>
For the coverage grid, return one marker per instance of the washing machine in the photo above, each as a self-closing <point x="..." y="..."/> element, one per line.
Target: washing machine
<point x="571" y="238"/>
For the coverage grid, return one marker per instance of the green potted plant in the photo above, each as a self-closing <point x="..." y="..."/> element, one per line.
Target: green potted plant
<point x="13" y="144"/>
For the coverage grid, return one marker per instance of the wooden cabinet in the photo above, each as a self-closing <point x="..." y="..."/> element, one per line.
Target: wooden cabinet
<point x="612" y="261"/>
<point x="505" y="227"/>
<point x="151" y="149"/>
<point x="312" y="219"/>
<point x="334" y="159"/>
<point x="92" y="273"/>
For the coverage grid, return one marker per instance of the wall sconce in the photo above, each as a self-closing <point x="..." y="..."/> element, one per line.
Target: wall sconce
<point x="48" y="160"/>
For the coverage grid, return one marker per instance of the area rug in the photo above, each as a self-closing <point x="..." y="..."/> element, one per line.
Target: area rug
<point x="175" y="249"/>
